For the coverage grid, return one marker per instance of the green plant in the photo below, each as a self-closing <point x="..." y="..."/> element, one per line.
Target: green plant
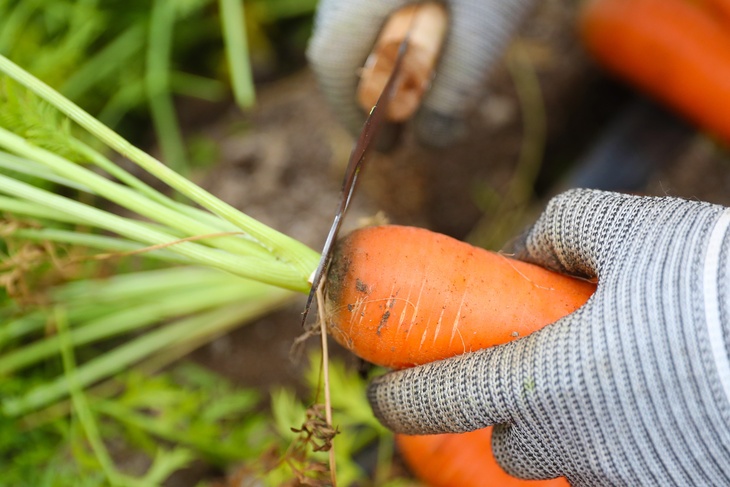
<point x="127" y="61"/>
<point x="236" y="242"/>
<point x="55" y="190"/>
<point x="189" y="414"/>
<point x="107" y="280"/>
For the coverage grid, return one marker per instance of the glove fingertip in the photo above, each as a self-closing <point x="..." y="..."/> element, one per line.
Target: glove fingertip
<point x="382" y="394"/>
<point x="516" y="454"/>
<point x="453" y="395"/>
<point x="569" y="234"/>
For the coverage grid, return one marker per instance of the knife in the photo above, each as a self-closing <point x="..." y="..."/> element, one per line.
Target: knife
<point x="362" y="147"/>
<point x="433" y="19"/>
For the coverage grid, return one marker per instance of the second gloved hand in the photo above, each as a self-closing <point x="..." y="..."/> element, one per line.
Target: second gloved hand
<point x="346" y="30"/>
<point x="631" y="389"/>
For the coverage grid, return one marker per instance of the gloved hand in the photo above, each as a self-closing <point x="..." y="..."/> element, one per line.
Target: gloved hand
<point x="631" y="389"/>
<point x="346" y="30"/>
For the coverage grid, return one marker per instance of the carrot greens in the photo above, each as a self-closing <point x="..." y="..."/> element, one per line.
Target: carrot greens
<point x="112" y="262"/>
<point x="259" y="252"/>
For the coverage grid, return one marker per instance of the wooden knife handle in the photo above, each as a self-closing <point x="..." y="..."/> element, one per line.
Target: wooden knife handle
<point x="426" y="25"/>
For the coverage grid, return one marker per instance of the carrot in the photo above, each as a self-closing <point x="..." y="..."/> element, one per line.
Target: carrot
<point x="462" y="459"/>
<point x="716" y="8"/>
<point x="402" y="296"/>
<point x="676" y="51"/>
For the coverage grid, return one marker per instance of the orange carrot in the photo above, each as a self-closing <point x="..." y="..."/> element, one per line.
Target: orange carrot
<point x="402" y="296"/>
<point x="716" y="8"/>
<point x="463" y="460"/>
<point x="676" y="51"/>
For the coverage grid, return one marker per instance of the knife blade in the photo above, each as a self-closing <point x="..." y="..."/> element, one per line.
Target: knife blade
<point x="362" y="147"/>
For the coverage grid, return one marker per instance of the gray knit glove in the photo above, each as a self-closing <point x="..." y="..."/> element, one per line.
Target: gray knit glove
<point x="345" y="32"/>
<point x="631" y="389"/>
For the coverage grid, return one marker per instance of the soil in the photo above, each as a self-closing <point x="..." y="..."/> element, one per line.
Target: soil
<point x="283" y="163"/>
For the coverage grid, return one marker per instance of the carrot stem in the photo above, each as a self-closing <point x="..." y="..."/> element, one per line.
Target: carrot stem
<point x="157" y="84"/>
<point x="234" y="36"/>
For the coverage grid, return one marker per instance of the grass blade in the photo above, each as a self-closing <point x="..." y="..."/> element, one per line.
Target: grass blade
<point x="145" y="346"/>
<point x="157" y="82"/>
<point x="234" y="36"/>
<point x="81" y="406"/>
